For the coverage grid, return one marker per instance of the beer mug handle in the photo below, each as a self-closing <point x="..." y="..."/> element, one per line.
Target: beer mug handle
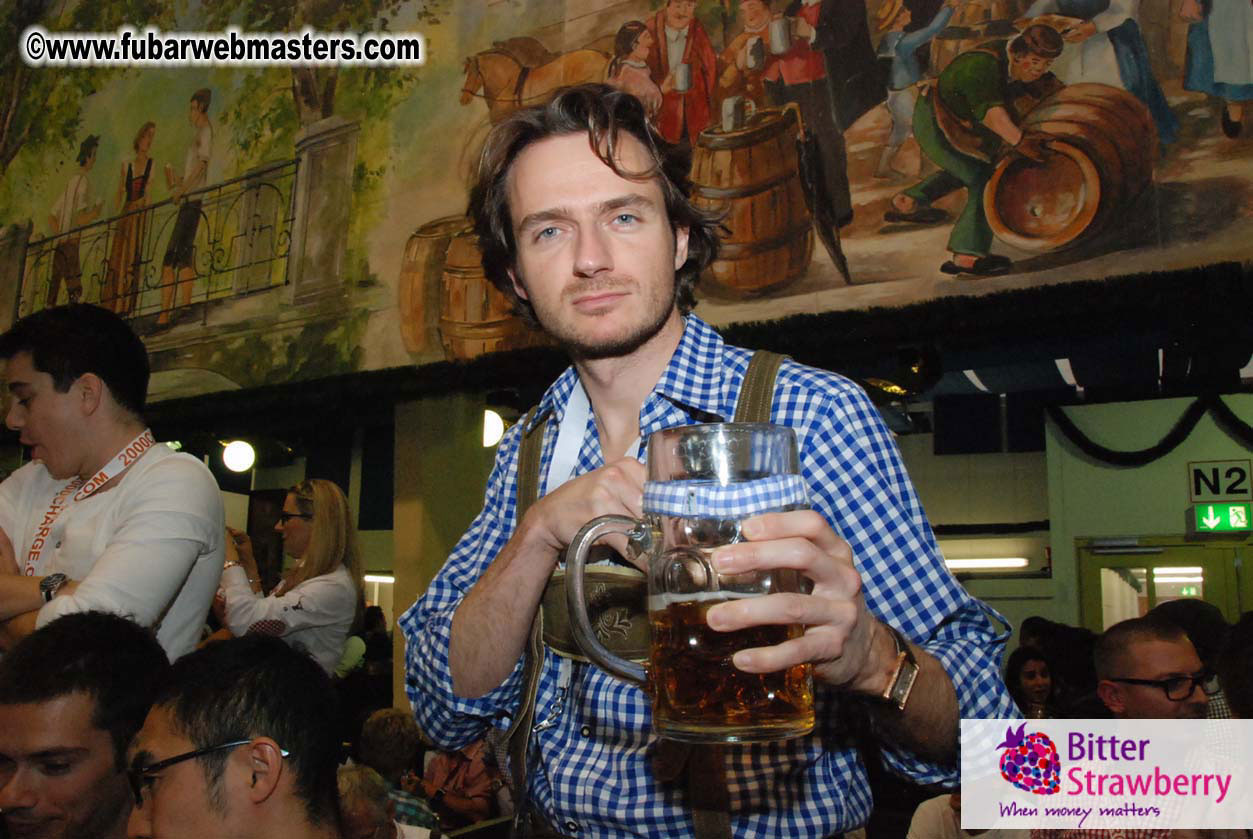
<point x="576" y="600"/>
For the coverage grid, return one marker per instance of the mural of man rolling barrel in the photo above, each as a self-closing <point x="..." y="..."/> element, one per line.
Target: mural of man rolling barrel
<point x="971" y="118"/>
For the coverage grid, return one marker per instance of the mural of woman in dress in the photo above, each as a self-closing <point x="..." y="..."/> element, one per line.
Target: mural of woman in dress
<point x="1220" y="55"/>
<point x="628" y="70"/>
<point x="121" y="285"/>
<point x="1107" y="47"/>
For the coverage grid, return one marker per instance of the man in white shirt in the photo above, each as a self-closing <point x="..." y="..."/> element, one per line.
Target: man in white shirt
<point x="103" y="518"/>
<point x="73" y="209"/>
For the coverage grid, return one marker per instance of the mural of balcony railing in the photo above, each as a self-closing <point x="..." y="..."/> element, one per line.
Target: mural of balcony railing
<point x="129" y="263"/>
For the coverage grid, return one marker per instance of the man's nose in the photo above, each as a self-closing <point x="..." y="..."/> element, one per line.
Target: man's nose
<point x="14" y="416"/>
<point x="16" y="793"/>
<point x="592" y="255"/>
<point x="139" y="825"/>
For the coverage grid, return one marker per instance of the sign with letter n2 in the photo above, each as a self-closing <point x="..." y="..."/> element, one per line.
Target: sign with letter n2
<point x="1219" y="480"/>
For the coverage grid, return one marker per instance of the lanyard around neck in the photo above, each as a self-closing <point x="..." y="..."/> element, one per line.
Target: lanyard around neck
<point x="80" y="488"/>
<point x="570" y="436"/>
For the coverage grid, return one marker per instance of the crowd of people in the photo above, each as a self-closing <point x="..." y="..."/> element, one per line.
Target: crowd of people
<point x="117" y="719"/>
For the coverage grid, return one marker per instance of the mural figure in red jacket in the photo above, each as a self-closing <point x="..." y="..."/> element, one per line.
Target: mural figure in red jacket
<point x="687" y="95"/>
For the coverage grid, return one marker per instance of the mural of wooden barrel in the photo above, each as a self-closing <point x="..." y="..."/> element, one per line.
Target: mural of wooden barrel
<point x="474" y="318"/>
<point x="752" y="176"/>
<point x="418" y="287"/>
<point x="975" y="22"/>
<point x="1103" y="161"/>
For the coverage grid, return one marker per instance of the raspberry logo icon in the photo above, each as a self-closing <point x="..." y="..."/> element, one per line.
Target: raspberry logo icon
<point x="1030" y="762"/>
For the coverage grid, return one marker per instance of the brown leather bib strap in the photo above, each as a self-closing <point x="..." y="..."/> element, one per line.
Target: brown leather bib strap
<point x="757" y="391"/>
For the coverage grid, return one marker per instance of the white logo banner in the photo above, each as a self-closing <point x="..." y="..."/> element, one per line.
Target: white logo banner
<point x="1106" y="774"/>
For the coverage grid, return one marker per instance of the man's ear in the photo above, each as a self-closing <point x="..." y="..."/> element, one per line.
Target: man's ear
<point x="518" y="288"/>
<point x="265" y="763"/>
<point x="91" y="390"/>
<point x="680" y="246"/>
<point x="1111" y="693"/>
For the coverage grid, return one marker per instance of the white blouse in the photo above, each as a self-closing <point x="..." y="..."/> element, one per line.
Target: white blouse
<point x="315" y="616"/>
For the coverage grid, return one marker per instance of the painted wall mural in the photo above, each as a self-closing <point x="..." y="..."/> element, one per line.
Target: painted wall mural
<point x="260" y="224"/>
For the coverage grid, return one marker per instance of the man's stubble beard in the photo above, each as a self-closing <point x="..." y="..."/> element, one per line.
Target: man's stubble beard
<point x="580" y="350"/>
<point x="106" y="822"/>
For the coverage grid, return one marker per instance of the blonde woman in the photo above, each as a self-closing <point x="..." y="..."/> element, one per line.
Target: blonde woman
<point x="318" y="601"/>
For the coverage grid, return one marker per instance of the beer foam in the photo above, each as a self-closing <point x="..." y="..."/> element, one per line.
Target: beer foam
<point x="657" y="602"/>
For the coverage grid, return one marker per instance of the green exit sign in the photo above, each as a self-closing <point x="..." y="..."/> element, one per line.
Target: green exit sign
<point x="1215" y="518"/>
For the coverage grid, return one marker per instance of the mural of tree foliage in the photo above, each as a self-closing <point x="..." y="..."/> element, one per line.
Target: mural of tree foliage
<point x="41" y="112"/>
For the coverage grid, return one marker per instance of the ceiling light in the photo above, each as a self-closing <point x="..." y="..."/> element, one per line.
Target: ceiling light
<point x="238" y="456"/>
<point x="1159" y="580"/>
<point x="987" y="564"/>
<point x="379" y="578"/>
<point x="1181" y="569"/>
<point x="493" y="428"/>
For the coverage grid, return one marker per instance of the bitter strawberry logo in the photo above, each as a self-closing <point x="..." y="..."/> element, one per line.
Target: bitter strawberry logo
<point x="1030" y="762"/>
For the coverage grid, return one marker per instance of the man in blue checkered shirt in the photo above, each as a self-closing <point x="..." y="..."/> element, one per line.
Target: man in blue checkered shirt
<point x="584" y="221"/>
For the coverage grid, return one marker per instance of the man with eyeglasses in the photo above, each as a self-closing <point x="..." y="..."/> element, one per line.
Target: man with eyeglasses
<point x="1148" y="669"/>
<point x="72" y="696"/>
<point x="242" y="741"/>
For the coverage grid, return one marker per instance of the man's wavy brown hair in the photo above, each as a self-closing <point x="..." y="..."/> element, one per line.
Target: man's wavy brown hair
<point x="604" y="114"/>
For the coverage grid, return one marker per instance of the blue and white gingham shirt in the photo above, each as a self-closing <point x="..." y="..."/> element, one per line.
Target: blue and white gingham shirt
<point x="592" y="775"/>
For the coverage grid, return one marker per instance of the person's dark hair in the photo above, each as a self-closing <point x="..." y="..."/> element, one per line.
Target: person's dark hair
<point x="1110" y="655"/>
<point x="203" y="97"/>
<point x="374" y="620"/>
<point x="258" y="686"/>
<point x="603" y="114"/>
<point x="390" y="743"/>
<point x="1068" y="650"/>
<point x="1203" y="622"/>
<point x="624" y="44"/>
<point x="116" y="662"/>
<point x="1235" y="667"/>
<point x="1038" y="39"/>
<point x="87" y="148"/>
<point x="78" y="338"/>
<point x="1018" y="659"/>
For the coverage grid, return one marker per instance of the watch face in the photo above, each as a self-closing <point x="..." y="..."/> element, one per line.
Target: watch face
<point x="49" y="584"/>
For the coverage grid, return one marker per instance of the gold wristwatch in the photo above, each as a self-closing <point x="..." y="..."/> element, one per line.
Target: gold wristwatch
<point x="904" y="674"/>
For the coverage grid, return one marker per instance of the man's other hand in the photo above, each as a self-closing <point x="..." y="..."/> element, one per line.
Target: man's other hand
<point x="840" y="633"/>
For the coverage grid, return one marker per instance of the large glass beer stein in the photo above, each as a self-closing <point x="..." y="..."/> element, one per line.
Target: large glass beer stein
<point x="703" y="480"/>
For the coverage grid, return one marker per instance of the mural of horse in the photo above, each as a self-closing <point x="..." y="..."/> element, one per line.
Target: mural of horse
<point x="498" y="78"/>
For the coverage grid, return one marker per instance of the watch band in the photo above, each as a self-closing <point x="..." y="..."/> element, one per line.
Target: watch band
<point x="50" y="585"/>
<point x="904" y="674"/>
